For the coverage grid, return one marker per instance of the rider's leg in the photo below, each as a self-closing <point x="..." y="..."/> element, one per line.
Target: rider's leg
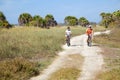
<point x="88" y="40"/>
<point x="69" y="41"/>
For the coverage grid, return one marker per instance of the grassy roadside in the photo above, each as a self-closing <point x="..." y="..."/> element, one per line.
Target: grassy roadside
<point x="111" y="52"/>
<point x="32" y="48"/>
<point x="27" y="42"/>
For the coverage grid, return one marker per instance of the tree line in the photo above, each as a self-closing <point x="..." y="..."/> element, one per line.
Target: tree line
<point x="25" y="19"/>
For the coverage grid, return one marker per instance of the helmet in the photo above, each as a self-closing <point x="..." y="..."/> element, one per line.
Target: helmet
<point x="89" y="26"/>
<point x="68" y="27"/>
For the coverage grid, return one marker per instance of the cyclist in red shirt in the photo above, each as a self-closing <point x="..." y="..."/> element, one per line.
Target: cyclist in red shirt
<point x="89" y="32"/>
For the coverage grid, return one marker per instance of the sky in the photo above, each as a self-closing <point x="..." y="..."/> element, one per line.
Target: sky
<point x="90" y="9"/>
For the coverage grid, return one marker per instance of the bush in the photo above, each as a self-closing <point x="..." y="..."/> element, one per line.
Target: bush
<point x="17" y="69"/>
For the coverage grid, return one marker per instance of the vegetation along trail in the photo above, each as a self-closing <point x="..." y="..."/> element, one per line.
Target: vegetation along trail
<point x="92" y="63"/>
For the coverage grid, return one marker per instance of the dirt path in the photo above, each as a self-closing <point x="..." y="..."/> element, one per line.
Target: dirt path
<point x="92" y="64"/>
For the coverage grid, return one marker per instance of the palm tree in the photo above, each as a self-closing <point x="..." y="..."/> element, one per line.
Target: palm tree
<point x="71" y="20"/>
<point x="2" y="17"/>
<point x="116" y="15"/>
<point x="103" y="15"/>
<point x="36" y="21"/>
<point x="24" y="19"/>
<point x="83" y="21"/>
<point x="50" y="20"/>
<point x="3" y="21"/>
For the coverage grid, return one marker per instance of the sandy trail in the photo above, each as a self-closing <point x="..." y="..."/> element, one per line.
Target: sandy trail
<point x="92" y="64"/>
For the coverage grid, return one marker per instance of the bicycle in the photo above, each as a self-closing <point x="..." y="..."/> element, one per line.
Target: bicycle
<point x="89" y="41"/>
<point x="68" y="40"/>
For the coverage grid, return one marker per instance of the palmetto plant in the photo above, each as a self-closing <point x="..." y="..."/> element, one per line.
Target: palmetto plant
<point x="107" y="18"/>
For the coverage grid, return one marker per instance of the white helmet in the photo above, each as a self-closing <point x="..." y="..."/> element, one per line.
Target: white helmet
<point x="89" y="26"/>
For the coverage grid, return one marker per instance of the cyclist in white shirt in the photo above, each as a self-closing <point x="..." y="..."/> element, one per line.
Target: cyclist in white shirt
<point x="68" y="35"/>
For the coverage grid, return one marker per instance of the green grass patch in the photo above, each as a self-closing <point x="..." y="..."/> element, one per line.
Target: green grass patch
<point x="66" y="74"/>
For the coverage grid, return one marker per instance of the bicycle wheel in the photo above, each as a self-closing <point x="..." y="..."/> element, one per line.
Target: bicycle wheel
<point x="89" y="41"/>
<point x="68" y="41"/>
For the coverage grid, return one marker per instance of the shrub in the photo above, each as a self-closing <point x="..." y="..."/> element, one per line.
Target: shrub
<point x="17" y="69"/>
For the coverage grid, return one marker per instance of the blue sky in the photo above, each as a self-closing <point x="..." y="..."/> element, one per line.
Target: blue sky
<point x="89" y="9"/>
